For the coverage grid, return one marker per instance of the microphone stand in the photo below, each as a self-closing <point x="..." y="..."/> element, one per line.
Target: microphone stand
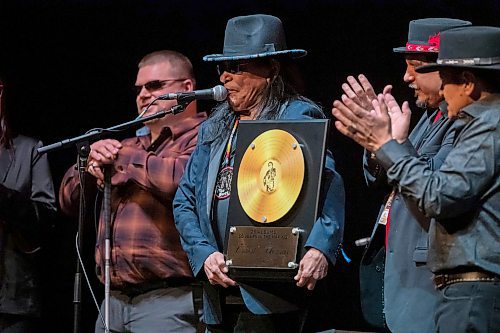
<point x="107" y="243"/>
<point x="96" y="134"/>
<point x="82" y="143"/>
<point x="83" y="149"/>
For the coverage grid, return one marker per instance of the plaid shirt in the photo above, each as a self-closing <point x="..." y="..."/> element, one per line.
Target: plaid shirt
<point x="145" y="244"/>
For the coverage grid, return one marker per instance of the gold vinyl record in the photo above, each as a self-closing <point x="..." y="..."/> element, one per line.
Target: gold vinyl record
<point x="270" y="176"/>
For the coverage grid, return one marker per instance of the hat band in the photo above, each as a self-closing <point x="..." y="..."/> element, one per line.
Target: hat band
<point x="432" y="44"/>
<point x="470" y="61"/>
<point x="421" y="48"/>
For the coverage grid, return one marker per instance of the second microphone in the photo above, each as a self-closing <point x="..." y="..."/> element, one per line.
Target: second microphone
<point x="217" y="93"/>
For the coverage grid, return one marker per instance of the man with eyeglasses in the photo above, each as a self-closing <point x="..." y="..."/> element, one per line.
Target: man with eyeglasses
<point x="254" y="69"/>
<point x="152" y="286"/>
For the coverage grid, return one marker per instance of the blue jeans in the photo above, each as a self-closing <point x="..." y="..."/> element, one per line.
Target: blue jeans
<point x="469" y="307"/>
<point x="161" y="310"/>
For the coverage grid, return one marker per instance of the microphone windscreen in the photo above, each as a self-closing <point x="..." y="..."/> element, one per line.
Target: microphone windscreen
<point x="220" y="93"/>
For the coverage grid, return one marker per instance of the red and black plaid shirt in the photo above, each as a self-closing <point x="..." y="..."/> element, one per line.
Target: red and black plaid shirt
<point x="145" y="244"/>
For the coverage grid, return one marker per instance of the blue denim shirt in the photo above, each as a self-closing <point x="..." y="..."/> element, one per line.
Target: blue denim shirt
<point x="463" y="195"/>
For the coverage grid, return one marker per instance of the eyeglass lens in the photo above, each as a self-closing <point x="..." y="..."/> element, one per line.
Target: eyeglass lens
<point x="150" y="86"/>
<point x="154" y="85"/>
<point x="230" y="67"/>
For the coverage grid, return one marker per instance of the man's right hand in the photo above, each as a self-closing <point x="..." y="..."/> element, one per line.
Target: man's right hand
<point x="216" y="269"/>
<point x="400" y="118"/>
<point x="102" y="152"/>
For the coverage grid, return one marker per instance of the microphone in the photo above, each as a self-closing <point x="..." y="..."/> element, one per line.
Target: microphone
<point x="217" y="93"/>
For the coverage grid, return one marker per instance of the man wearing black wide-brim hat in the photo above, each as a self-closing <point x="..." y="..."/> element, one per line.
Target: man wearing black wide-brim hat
<point x="251" y="67"/>
<point x="463" y="195"/>
<point x="402" y="291"/>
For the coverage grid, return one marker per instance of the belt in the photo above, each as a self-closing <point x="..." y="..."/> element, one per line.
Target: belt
<point x="132" y="290"/>
<point x="442" y="280"/>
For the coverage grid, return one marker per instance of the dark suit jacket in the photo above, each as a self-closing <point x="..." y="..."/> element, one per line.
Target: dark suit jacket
<point x="27" y="203"/>
<point x="406" y="293"/>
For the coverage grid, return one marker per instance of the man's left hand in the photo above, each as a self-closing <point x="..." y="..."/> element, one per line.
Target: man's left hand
<point x="312" y="267"/>
<point x="371" y="129"/>
<point x="361" y="92"/>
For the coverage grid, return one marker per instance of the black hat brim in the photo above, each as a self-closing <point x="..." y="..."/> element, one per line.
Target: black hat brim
<point x="436" y="67"/>
<point x="293" y="54"/>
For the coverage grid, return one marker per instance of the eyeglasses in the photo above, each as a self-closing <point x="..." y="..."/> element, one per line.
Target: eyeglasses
<point x="231" y="67"/>
<point x="154" y="85"/>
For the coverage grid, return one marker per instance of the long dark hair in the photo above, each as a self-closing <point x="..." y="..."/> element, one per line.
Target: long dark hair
<point x="5" y="133"/>
<point x="280" y="91"/>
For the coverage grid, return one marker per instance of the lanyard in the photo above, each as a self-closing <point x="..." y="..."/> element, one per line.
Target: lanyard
<point x="387" y="208"/>
<point x="230" y="142"/>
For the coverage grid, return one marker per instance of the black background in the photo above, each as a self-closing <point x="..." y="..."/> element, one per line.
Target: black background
<point x="69" y="66"/>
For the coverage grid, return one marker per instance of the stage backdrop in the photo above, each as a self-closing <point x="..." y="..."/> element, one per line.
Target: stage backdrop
<point x="70" y="66"/>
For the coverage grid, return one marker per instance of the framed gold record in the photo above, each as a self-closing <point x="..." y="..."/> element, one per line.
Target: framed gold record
<point x="270" y="176"/>
<point x="275" y="196"/>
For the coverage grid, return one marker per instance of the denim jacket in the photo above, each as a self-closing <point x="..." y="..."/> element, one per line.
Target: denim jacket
<point x="192" y="206"/>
